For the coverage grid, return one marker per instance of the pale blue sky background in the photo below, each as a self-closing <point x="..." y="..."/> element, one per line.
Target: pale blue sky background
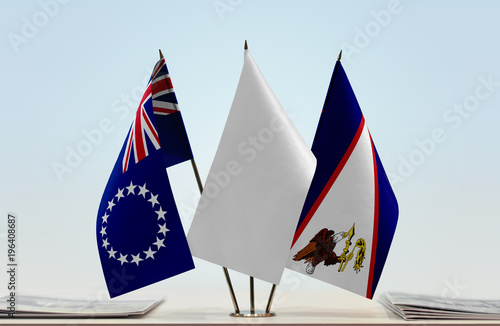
<point x="68" y="67"/>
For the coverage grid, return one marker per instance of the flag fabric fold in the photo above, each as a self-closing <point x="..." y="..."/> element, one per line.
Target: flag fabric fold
<point x="140" y="237"/>
<point x="256" y="186"/>
<point x="350" y="213"/>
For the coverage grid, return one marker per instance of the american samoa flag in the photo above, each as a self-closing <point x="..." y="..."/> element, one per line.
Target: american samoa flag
<point x="350" y="213"/>
<point x="140" y="238"/>
<point x="172" y="136"/>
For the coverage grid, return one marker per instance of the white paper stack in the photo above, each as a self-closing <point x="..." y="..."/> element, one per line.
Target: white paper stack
<point x="50" y="307"/>
<point x="413" y="307"/>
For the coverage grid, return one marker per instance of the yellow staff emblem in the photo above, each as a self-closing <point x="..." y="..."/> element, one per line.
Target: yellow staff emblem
<point x="346" y="256"/>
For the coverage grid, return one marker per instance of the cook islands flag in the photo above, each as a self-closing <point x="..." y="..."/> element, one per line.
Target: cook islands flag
<point x="350" y="212"/>
<point x="139" y="233"/>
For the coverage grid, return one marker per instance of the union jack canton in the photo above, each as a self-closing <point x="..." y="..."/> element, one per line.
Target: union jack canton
<point x="161" y="96"/>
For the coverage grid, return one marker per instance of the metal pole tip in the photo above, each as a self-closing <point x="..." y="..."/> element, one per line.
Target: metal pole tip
<point x="161" y="54"/>
<point x="246" y="45"/>
<point x="340" y="55"/>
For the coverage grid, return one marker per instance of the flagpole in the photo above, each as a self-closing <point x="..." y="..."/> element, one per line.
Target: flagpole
<point x="224" y="269"/>
<point x="268" y="312"/>
<point x="252" y="292"/>
<point x="270" y="300"/>
<point x="200" y="187"/>
<point x="252" y="297"/>
<point x="197" y="175"/>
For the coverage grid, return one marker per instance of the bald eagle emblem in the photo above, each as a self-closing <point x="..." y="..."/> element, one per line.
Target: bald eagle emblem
<point x="321" y="249"/>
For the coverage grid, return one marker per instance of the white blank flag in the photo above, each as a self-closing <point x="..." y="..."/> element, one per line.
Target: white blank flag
<point x="256" y="187"/>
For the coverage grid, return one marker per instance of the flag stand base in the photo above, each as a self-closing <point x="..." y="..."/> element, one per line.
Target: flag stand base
<point x="247" y="313"/>
<point x="252" y="312"/>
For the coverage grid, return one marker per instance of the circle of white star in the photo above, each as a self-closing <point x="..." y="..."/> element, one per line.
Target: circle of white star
<point x="141" y="255"/>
